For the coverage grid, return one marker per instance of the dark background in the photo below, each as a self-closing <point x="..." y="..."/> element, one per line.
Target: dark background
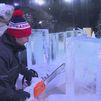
<point x="57" y="15"/>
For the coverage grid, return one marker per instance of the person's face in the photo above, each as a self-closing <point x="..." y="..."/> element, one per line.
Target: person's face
<point x="22" y="41"/>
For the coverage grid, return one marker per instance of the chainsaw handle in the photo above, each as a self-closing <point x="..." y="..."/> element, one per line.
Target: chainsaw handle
<point x="28" y="82"/>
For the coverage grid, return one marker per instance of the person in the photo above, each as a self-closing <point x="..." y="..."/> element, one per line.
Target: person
<point x="11" y="43"/>
<point x="5" y="15"/>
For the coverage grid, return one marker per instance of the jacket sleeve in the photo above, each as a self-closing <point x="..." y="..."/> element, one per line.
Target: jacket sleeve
<point x="5" y="91"/>
<point x="11" y="95"/>
<point x="6" y="94"/>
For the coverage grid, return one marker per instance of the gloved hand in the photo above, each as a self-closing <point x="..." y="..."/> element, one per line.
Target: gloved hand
<point x="21" y="95"/>
<point x="11" y="95"/>
<point x="31" y="73"/>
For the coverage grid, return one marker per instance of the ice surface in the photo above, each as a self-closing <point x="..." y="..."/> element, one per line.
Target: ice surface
<point x="82" y="66"/>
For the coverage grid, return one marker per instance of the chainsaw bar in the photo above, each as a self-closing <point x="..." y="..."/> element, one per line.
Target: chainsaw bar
<point x="57" y="71"/>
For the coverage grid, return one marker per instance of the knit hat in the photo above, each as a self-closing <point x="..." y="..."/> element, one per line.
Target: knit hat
<point x="18" y="26"/>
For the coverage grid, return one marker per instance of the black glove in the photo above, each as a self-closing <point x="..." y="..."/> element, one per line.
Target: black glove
<point x="21" y="95"/>
<point x="31" y="73"/>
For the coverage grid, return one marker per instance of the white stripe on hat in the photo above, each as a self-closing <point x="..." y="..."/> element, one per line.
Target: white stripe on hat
<point x="19" y="26"/>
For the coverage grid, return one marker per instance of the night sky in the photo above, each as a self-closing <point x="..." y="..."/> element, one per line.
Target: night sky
<point x="81" y="13"/>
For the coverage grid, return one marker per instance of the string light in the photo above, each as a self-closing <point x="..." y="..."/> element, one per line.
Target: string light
<point x="40" y="2"/>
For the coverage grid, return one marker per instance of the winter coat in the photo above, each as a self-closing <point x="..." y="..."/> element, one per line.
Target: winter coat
<point x="10" y="66"/>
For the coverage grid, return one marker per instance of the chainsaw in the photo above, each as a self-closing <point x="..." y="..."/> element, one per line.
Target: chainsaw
<point x="41" y="85"/>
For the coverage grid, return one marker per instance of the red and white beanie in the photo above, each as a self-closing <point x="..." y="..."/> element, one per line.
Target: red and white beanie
<point x="18" y="26"/>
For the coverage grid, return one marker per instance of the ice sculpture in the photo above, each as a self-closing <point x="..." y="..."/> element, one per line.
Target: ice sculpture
<point x="37" y="48"/>
<point x="45" y="47"/>
<point x="83" y="81"/>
